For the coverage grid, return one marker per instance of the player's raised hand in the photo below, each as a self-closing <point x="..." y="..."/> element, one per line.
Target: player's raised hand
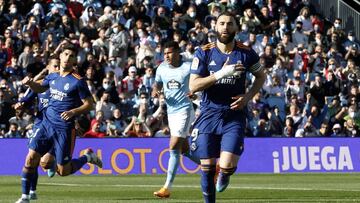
<point x="19" y="105"/>
<point x="27" y="80"/>
<point x="226" y="70"/>
<point x="239" y="103"/>
<point x="66" y="115"/>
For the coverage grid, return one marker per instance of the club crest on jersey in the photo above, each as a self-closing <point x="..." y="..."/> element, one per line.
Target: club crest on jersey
<point x="66" y="86"/>
<point x="173" y="84"/>
<point x="195" y="63"/>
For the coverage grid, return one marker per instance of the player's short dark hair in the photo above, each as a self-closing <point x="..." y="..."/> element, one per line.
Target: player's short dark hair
<point x="173" y="45"/>
<point x="227" y="13"/>
<point x="69" y="46"/>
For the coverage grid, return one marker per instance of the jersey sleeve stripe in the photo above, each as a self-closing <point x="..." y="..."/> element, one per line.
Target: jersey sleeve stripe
<point x="77" y="76"/>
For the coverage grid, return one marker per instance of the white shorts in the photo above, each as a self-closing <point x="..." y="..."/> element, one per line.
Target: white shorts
<point x="179" y="123"/>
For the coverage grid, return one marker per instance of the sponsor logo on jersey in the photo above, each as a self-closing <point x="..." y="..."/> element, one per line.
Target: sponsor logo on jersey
<point x="173" y="84"/>
<point x="212" y="63"/>
<point x="56" y="94"/>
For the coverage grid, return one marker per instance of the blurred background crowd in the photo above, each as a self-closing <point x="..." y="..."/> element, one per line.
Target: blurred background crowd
<point x="312" y="88"/>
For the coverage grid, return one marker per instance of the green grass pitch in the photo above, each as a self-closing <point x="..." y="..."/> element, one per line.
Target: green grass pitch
<point x="330" y="187"/>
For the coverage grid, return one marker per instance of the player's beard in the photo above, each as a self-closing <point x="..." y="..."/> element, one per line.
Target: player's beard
<point x="225" y="40"/>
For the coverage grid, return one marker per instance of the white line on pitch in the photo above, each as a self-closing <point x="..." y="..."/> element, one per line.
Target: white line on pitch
<point x="195" y="186"/>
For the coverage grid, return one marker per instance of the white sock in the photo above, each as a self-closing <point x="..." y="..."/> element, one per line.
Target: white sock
<point x="32" y="191"/>
<point x="25" y="196"/>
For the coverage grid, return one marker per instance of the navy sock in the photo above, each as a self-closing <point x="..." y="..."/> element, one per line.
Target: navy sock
<point x="227" y="171"/>
<point x="78" y="163"/>
<point x="26" y="178"/>
<point x="207" y="183"/>
<point x="34" y="181"/>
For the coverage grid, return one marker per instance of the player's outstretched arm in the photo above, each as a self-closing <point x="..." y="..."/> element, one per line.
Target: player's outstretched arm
<point x="35" y="86"/>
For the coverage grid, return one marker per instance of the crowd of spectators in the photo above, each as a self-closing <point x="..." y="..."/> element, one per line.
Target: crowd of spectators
<point x="312" y="88"/>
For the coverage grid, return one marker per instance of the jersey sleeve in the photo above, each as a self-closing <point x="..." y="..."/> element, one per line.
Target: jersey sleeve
<point x="48" y="79"/>
<point x="28" y="97"/>
<point x="198" y="65"/>
<point x="83" y="89"/>
<point x="253" y="62"/>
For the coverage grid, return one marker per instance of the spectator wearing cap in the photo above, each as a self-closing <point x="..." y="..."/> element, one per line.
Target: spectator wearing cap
<point x="351" y="42"/>
<point x="353" y="53"/>
<point x="337" y="131"/>
<point x="94" y="131"/>
<point x="131" y="83"/>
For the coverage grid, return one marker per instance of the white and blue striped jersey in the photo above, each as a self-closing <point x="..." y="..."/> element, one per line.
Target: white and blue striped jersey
<point x="175" y="82"/>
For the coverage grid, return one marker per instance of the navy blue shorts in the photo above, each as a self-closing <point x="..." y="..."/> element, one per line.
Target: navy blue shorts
<point x="47" y="138"/>
<point x="215" y="132"/>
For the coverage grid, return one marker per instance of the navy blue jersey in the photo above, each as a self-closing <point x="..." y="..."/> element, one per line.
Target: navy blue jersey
<point x="209" y="59"/>
<point x="66" y="93"/>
